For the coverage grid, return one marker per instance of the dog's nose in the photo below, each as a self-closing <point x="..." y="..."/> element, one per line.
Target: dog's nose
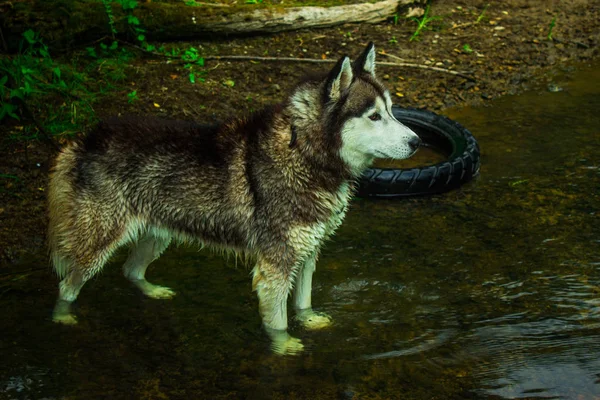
<point x="414" y="143"/>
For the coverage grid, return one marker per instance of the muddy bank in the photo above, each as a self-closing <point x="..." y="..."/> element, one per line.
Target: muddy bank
<point x="507" y="52"/>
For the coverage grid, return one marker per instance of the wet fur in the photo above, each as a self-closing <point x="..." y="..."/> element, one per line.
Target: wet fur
<point x="272" y="186"/>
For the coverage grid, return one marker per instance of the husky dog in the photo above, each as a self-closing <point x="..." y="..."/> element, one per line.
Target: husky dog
<point x="273" y="185"/>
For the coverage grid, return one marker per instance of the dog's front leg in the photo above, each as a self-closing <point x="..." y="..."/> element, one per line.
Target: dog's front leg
<point x="302" y="298"/>
<point x="273" y="285"/>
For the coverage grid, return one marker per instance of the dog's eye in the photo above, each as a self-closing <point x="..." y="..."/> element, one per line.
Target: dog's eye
<point x="375" y="117"/>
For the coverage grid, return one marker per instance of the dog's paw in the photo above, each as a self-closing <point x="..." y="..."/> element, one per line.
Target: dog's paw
<point x="154" y="291"/>
<point x="290" y="346"/>
<point x="284" y="344"/>
<point x="160" y="292"/>
<point x="313" y="320"/>
<point x="65" y="319"/>
<point x="62" y="313"/>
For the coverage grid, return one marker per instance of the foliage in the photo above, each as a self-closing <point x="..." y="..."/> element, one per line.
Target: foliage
<point x="111" y="19"/>
<point x="482" y="15"/>
<point x="422" y="23"/>
<point x="551" y="27"/>
<point x="132" y="96"/>
<point x="190" y="56"/>
<point x="57" y="95"/>
<point x="467" y="48"/>
<point x="32" y="76"/>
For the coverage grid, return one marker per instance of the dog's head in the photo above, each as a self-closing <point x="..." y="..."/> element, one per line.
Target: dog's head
<point x="368" y="128"/>
<point x="353" y="110"/>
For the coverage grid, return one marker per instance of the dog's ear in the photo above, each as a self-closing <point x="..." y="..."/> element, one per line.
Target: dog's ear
<point x="366" y="61"/>
<point x="339" y="79"/>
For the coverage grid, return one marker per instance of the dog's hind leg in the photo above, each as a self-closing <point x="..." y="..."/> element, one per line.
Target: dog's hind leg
<point x="68" y="290"/>
<point x="141" y="254"/>
<point x="302" y="298"/>
<point x="77" y="273"/>
<point x="273" y="286"/>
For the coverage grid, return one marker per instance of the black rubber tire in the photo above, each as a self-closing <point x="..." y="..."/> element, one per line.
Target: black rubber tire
<point x="440" y="133"/>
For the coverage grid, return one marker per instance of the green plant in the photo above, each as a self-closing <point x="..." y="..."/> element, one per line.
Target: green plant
<point x="32" y="71"/>
<point x="422" y="23"/>
<point x="254" y="1"/>
<point x="467" y="49"/>
<point x="551" y="27"/>
<point x="56" y="96"/>
<point x="190" y="56"/>
<point x="393" y="40"/>
<point x="111" y="18"/>
<point x="132" y="96"/>
<point x="481" y="16"/>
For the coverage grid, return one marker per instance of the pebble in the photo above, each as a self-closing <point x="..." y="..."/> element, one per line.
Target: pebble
<point x="386" y="77"/>
<point x="553" y="87"/>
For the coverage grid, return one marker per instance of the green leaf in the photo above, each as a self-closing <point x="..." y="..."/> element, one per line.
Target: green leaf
<point x="150" y="47"/>
<point x="103" y="46"/>
<point x="27" y="89"/>
<point x="56" y="71"/>
<point x="8" y="109"/>
<point x="200" y="62"/>
<point x="128" y="4"/>
<point x="192" y="77"/>
<point x="133" y="20"/>
<point x="131" y="96"/>
<point x="114" y="45"/>
<point x="91" y="52"/>
<point x="17" y="93"/>
<point x="29" y="35"/>
<point x="4" y="80"/>
<point x="141" y="38"/>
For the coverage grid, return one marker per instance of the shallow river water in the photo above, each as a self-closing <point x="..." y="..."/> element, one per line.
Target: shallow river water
<point x="488" y="292"/>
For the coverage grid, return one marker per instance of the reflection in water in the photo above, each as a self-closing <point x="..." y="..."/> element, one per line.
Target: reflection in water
<point x="492" y="291"/>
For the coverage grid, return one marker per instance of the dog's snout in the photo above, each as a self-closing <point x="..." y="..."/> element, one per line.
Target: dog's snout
<point x="414" y="143"/>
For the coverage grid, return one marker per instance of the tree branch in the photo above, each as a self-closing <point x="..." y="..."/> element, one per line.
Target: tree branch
<point x="320" y="61"/>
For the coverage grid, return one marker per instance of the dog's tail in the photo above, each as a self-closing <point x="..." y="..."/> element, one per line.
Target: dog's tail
<point x="61" y="208"/>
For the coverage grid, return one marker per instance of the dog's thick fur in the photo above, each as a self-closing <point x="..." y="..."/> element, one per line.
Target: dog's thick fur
<point x="273" y="185"/>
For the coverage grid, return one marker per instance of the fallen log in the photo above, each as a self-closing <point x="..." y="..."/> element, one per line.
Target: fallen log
<point x="273" y="19"/>
<point x="84" y="21"/>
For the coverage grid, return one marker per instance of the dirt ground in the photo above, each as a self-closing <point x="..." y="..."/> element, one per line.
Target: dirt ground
<point x="507" y="52"/>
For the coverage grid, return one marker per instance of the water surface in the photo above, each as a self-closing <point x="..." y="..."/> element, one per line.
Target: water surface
<point x="490" y="291"/>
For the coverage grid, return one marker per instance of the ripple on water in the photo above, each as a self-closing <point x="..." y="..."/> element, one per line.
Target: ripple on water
<point x="544" y="352"/>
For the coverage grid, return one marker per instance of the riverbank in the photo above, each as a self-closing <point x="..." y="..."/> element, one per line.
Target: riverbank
<point x="506" y="52"/>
